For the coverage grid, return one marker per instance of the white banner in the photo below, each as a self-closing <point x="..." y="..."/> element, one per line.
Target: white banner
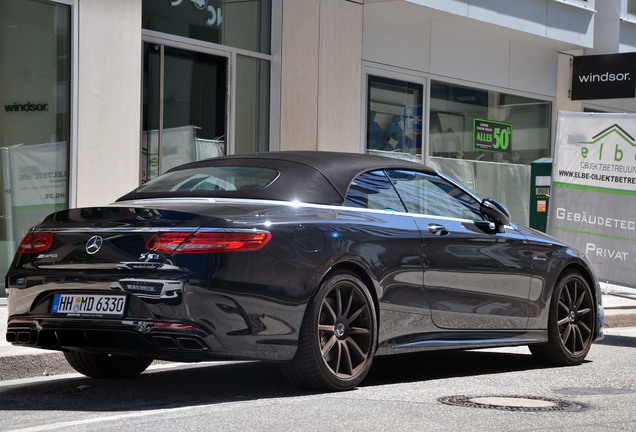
<point x="38" y="183"/>
<point x="593" y="201"/>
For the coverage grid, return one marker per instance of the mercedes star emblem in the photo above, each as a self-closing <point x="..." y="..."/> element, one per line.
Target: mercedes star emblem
<point x="94" y="244"/>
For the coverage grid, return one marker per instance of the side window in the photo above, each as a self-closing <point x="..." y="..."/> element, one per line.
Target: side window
<point x="373" y="190"/>
<point x="432" y="195"/>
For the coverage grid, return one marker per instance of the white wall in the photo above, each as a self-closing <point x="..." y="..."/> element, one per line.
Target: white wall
<point x="299" y="75"/>
<point x="396" y="36"/>
<point x="564" y="21"/>
<point x="412" y="37"/>
<point x="340" y="75"/>
<point x="109" y="100"/>
<point x="321" y="75"/>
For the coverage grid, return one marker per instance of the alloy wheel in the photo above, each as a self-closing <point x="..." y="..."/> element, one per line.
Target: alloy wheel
<point x="345" y="329"/>
<point x="575" y="317"/>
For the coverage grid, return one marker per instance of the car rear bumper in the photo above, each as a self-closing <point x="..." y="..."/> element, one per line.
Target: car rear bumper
<point x="158" y="340"/>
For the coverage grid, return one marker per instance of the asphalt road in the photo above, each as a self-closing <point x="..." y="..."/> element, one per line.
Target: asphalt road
<point x="401" y="393"/>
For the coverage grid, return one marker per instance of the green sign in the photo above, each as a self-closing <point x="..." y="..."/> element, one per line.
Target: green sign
<point x="492" y="136"/>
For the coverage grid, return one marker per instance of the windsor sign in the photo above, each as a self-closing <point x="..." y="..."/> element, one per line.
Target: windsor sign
<point x="28" y="106"/>
<point x="593" y="201"/>
<point x="607" y="76"/>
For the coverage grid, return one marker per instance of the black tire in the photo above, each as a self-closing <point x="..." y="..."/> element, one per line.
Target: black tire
<point x="106" y="365"/>
<point x="338" y="336"/>
<point x="570" y="323"/>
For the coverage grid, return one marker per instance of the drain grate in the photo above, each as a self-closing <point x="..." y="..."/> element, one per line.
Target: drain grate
<point x="514" y="403"/>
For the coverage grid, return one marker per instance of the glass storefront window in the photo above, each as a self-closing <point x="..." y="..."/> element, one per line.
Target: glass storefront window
<point x="236" y="23"/>
<point x="394" y="114"/>
<point x="244" y="28"/>
<point x="487" y="139"/>
<point x="454" y="110"/>
<point x="184" y="108"/>
<point x="35" y="73"/>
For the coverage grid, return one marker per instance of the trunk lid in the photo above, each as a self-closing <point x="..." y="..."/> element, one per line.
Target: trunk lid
<point x="108" y="238"/>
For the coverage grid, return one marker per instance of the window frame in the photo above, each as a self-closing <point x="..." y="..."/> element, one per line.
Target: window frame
<point x="626" y="15"/>
<point x="428" y="183"/>
<point x="588" y="5"/>
<point x="380" y="173"/>
<point x="387" y="72"/>
<point x="232" y="53"/>
<point x="392" y="180"/>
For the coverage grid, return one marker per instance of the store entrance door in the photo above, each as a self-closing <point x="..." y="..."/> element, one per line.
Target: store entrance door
<point x="185" y="103"/>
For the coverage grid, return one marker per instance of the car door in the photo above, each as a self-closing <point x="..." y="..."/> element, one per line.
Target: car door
<point x="474" y="277"/>
<point x="394" y="255"/>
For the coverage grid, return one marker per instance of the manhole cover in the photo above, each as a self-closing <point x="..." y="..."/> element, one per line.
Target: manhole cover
<point x="513" y="403"/>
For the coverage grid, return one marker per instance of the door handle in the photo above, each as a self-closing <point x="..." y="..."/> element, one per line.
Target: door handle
<point x="438" y="230"/>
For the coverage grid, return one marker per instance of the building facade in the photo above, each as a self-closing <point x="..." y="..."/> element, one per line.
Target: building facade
<point x="99" y="96"/>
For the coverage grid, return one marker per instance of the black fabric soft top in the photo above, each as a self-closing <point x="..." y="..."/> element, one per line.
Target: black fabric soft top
<point x="307" y="176"/>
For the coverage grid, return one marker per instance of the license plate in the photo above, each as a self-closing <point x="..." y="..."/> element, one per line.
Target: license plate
<point x="89" y="305"/>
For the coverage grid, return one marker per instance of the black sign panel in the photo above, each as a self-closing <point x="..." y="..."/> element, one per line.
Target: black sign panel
<point x="608" y="76"/>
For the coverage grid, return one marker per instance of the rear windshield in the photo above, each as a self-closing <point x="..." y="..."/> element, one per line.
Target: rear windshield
<point x="218" y="178"/>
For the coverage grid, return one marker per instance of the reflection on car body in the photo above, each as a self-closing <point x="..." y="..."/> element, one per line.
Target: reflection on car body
<point x="317" y="260"/>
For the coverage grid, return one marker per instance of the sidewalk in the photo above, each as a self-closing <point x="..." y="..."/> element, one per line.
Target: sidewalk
<point x="620" y="310"/>
<point x="23" y="362"/>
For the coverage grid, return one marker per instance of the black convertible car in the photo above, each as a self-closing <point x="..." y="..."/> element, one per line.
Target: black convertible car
<point x="317" y="260"/>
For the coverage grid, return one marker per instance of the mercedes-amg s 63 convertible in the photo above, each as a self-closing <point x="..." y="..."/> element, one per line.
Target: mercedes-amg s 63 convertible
<point x="317" y="260"/>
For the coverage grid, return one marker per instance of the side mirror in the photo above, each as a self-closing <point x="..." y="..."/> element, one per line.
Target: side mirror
<point x="495" y="212"/>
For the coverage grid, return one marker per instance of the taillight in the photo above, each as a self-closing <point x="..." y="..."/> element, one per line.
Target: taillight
<point x="35" y="242"/>
<point x="206" y="242"/>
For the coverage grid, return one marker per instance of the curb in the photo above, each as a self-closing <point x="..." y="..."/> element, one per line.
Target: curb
<point x="33" y="365"/>
<point x="619" y="320"/>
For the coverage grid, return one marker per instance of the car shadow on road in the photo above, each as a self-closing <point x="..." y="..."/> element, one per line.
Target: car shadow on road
<point x="155" y="389"/>
<point x="619" y="341"/>
<point x="439" y="365"/>
<point x="214" y="383"/>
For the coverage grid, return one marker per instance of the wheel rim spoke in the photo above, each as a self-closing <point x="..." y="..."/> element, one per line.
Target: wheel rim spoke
<point x="564" y="307"/>
<point x="359" y="331"/>
<point x="580" y="300"/>
<point x="588" y="331"/>
<point x="565" y="335"/>
<point x="352" y="344"/>
<point x="326" y="328"/>
<point x="339" y="364"/>
<point x="563" y="321"/>
<point x="578" y="338"/>
<point x="347" y="305"/>
<point x="568" y="297"/>
<point x="357" y="313"/>
<point x="572" y="339"/>
<point x="338" y="303"/>
<point x="330" y="310"/>
<point x="328" y="346"/>
<point x="582" y="312"/>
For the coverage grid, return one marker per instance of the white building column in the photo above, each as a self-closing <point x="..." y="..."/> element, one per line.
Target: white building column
<point x="109" y="100"/>
<point x="321" y="75"/>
